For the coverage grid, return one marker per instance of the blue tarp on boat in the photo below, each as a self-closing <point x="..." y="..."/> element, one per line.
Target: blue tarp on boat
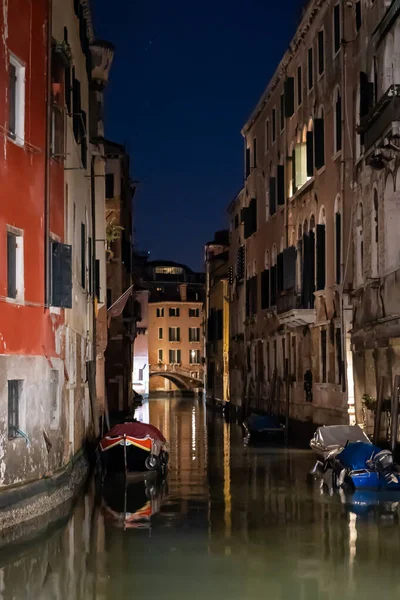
<point x="263" y="423"/>
<point x="356" y="455"/>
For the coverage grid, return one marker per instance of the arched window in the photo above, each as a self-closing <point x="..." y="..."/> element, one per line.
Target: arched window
<point x="299" y="258"/>
<point x="319" y="140"/>
<point x="337" y="105"/>
<point x="374" y="235"/>
<point x="321" y="250"/>
<point x="360" y="244"/>
<point x="388" y="67"/>
<point x="267" y="260"/>
<point x="338" y="241"/>
<point x="303" y="170"/>
<point x="308" y="264"/>
<point x="392" y="223"/>
<point x="273" y="275"/>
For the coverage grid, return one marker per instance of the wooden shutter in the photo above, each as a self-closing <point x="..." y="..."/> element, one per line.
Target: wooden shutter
<point x="299" y="86"/>
<point x="366" y="94"/>
<point x="310" y="69"/>
<point x="83" y="255"/>
<point x="321" y="257"/>
<point x="319" y="142"/>
<point x="272" y="195"/>
<point x="84" y="139"/>
<point x="273" y="285"/>
<point x="336" y="27"/>
<point x="310" y="154"/>
<point x="247" y="162"/>
<point x="265" y="289"/>
<point x="11" y="265"/>
<point x="282" y="111"/>
<point x="289" y="97"/>
<point x="280" y="272"/>
<point x="338" y="124"/>
<point x="281" y="184"/>
<point x="338" y="249"/>
<point x="178" y="334"/>
<point x="321" y="52"/>
<point x="311" y="258"/>
<point x="289" y="268"/>
<point x="61" y="268"/>
<point x="97" y="279"/>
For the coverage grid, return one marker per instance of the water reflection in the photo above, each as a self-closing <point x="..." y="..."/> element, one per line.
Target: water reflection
<point x="231" y="522"/>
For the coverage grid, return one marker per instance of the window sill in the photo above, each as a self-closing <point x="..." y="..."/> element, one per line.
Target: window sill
<point x="337" y="155"/>
<point x="194" y="342"/>
<point x="16" y="301"/>
<point x="174" y="342"/>
<point x="321" y="170"/>
<point x="16" y="141"/>
<point x="303" y="188"/>
<point x="321" y="75"/>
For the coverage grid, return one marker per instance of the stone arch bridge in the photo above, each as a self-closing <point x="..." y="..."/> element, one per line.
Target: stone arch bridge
<point x="183" y="377"/>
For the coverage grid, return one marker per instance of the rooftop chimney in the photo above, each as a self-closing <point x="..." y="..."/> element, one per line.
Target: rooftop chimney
<point x="183" y="292"/>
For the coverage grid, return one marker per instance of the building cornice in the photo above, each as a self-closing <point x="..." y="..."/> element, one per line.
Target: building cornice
<point x="307" y="21"/>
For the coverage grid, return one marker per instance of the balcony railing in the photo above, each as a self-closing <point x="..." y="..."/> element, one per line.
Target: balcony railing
<point x="383" y="120"/>
<point x="287" y="302"/>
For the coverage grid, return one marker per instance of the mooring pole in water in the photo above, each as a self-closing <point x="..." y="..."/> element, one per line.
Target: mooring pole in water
<point x="287" y="402"/>
<point x="395" y="413"/>
<point x="378" y="414"/>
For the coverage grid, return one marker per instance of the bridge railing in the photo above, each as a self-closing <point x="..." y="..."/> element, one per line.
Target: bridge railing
<point x="179" y="370"/>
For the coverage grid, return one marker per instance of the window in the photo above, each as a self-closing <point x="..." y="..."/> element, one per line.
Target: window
<point x="299" y="86"/>
<point x="319" y="141"/>
<point x="194" y="334"/>
<point x="289" y="97"/>
<point x="174" y="334"/>
<point x="255" y="153"/>
<point x="194" y="357"/>
<point x="267" y="134"/>
<point x="236" y="221"/>
<point x="174" y="357"/>
<point x="169" y="270"/>
<point x="337" y="103"/>
<point x="83" y="255"/>
<point x="247" y="166"/>
<point x="109" y="297"/>
<point x="300" y="160"/>
<point x="61" y="275"/>
<point x="90" y="260"/>
<point x="16" y="101"/>
<point x="293" y="356"/>
<point x="321" y="52"/>
<point x="358" y="15"/>
<point x="160" y="333"/>
<point x="57" y="132"/>
<point x="15" y="264"/>
<point x="174" y="312"/>
<point x="360" y="244"/>
<point x="54" y="399"/>
<point x="336" y="29"/>
<point x="323" y="355"/>
<point x="375" y="236"/>
<point x="338" y="247"/>
<point x="160" y="312"/>
<point x="273" y="276"/>
<point x="160" y="355"/>
<point x="272" y="195"/>
<point x="109" y="185"/>
<point x="273" y="125"/>
<point x="282" y="112"/>
<point x="321" y="251"/>
<point x="338" y="353"/>
<point x="310" y="69"/>
<point x="14" y="399"/>
<point x="194" y="312"/>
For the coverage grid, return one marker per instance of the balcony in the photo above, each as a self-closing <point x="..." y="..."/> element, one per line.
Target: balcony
<point x="291" y="313"/>
<point x="382" y="124"/>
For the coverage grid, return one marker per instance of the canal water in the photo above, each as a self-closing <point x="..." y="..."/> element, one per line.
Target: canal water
<point x="231" y="522"/>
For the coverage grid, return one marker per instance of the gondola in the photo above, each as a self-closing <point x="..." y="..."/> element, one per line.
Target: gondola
<point x="132" y="447"/>
<point x="348" y="460"/>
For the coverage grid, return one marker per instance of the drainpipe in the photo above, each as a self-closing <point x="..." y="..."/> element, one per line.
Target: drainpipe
<point x="47" y="257"/>
<point x="346" y="313"/>
<point x="94" y="318"/>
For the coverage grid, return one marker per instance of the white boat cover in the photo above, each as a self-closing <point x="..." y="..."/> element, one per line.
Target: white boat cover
<point x="339" y="435"/>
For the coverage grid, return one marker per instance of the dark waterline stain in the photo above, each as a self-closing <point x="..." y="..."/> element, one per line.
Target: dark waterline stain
<point x="229" y="522"/>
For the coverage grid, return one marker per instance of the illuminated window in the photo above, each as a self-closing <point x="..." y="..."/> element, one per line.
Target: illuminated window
<point x="169" y="270"/>
<point x="194" y="357"/>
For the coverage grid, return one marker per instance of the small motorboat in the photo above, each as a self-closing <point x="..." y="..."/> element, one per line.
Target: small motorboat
<point x="347" y="459"/>
<point x="134" y="447"/>
<point x="383" y="505"/>
<point x="258" y="427"/>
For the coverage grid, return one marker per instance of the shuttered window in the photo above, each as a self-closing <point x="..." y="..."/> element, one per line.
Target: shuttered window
<point x="338" y="248"/>
<point x="11" y="265"/>
<point x="282" y="112"/>
<point x="97" y="279"/>
<point x="338" y="123"/>
<point x="289" y="268"/>
<point x="255" y="152"/>
<point x="310" y="69"/>
<point x="14" y="399"/>
<point x="265" y="289"/>
<point x="240" y="263"/>
<point x="273" y="285"/>
<point x="319" y="143"/>
<point x="358" y="15"/>
<point x="273" y="125"/>
<point x="83" y="255"/>
<point x="61" y="279"/>
<point x="366" y="94"/>
<point x="247" y="162"/>
<point x="299" y="86"/>
<point x="84" y="140"/>
<point x="289" y="97"/>
<point x="308" y="270"/>
<point x="272" y="195"/>
<point x="12" y="101"/>
<point x="281" y="184"/>
<point x="336" y="29"/>
<point x="76" y="108"/>
<point x="280" y="272"/>
<point x="310" y="154"/>
<point x="321" y="52"/>
<point x="321" y="254"/>
<point x="90" y="259"/>
<point x="109" y="185"/>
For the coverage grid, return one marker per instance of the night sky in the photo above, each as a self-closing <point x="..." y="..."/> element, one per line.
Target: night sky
<point x="186" y="76"/>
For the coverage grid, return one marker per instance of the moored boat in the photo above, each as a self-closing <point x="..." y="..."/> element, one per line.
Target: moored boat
<point x="347" y="459"/>
<point x="134" y="447"/>
<point x="263" y="427"/>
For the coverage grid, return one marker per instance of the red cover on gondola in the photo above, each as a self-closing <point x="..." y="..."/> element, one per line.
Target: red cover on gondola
<point x="137" y="430"/>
